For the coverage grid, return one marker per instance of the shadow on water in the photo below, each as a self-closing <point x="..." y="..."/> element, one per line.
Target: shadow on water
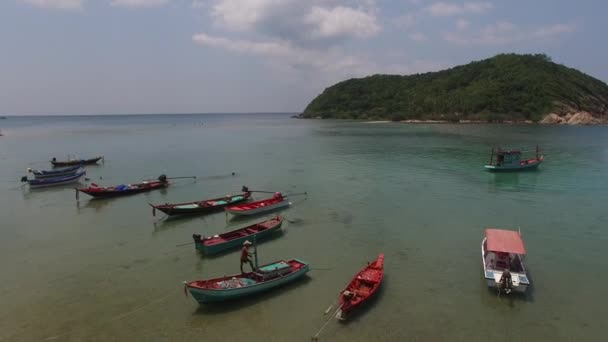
<point x="240" y="303"/>
<point x="367" y="307"/>
<point x="96" y="204"/>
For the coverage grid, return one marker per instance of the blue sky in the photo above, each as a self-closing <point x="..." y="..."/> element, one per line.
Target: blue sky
<point x="193" y="56"/>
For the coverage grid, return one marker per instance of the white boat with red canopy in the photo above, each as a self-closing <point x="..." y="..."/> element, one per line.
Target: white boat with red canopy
<point x="502" y="254"/>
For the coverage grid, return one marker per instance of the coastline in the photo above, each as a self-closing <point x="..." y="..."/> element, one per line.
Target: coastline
<point x="567" y="119"/>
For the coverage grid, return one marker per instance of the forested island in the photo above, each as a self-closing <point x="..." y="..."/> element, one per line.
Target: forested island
<point x="504" y="88"/>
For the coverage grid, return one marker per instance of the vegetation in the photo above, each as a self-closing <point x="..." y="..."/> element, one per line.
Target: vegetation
<point x="506" y="87"/>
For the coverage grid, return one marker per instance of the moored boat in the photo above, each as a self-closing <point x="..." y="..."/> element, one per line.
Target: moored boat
<point x="511" y="160"/>
<point x="71" y="162"/>
<point x="200" y="207"/>
<point x="97" y="191"/>
<point x="236" y="286"/>
<point x="362" y="287"/>
<point x="277" y="201"/>
<point x="502" y="256"/>
<point x="66" y="171"/>
<point x="54" y="181"/>
<point x="217" y="243"/>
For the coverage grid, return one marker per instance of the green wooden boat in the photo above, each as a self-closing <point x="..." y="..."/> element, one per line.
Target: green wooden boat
<point x="236" y="286"/>
<point x="233" y="239"/>
<point x="511" y="160"/>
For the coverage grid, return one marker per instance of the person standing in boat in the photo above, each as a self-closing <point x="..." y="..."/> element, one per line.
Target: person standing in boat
<point x="278" y="196"/>
<point x="245" y="256"/>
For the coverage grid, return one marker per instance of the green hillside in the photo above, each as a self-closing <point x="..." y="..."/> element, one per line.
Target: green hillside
<point x="506" y="87"/>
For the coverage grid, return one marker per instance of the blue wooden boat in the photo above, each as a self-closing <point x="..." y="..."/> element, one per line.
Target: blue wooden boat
<point x="61" y="172"/>
<point x="217" y="243"/>
<point x="265" y="278"/>
<point x="46" y="182"/>
<point x="511" y="160"/>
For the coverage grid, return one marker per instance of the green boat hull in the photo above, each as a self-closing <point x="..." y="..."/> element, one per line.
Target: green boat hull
<point x="236" y="243"/>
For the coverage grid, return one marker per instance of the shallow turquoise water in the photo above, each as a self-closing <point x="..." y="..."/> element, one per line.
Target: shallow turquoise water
<point x="108" y="270"/>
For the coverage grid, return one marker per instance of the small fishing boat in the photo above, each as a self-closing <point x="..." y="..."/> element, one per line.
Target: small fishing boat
<point x="54" y="181"/>
<point x="71" y="162"/>
<point x="66" y="171"/>
<point x="264" y="278"/>
<point x="200" y="207"/>
<point x="502" y="255"/>
<point x="511" y="160"/>
<point x="276" y="202"/>
<point x="362" y="287"/>
<point x="217" y="243"/>
<point x="124" y="189"/>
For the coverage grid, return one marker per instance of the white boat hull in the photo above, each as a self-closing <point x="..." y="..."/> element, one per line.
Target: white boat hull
<point x="520" y="280"/>
<point x="67" y="181"/>
<point x="259" y="209"/>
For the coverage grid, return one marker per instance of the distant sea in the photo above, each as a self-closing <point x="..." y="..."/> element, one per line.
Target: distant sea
<point x="108" y="270"/>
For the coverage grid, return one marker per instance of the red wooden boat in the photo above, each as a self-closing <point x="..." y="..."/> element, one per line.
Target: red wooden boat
<point x="125" y="189"/>
<point x="276" y="202"/>
<point x="362" y="287"/>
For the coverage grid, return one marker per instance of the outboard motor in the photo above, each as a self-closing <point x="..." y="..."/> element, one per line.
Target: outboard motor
<point x="162" y="178"/>
<point x="506" y="283"/>
<point x="245" y="189"/>
<point x="196" y="237"/>
<point x="23" y="179"/>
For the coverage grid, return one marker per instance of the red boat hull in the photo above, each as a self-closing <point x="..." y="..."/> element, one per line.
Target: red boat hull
<point x="362" y="287"/>
<point x="111" y="191"/>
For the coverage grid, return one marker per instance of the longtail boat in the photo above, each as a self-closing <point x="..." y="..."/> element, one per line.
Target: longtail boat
<point x="265" y="278"/>
<point x="124" y="189"/>
<point x="46" y="182"/>
<point x="276" y="202"/>
<point x="502" y="256"/>
<point x="66" y="171"/>
<point x="361" y="288"/>
<point x="217" y="243"/>
<point x="200" y="207"/>
<point x="72" y="162"/>
<point x="511" y="160"/>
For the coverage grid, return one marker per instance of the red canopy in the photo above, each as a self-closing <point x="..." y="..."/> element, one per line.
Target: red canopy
<point x="506" y="241"/>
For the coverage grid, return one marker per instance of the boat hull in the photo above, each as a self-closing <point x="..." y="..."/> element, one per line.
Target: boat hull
<point x="514" y="168"/>
<point x="65" y="172"/>
<point x="109" y="193"/>
<point x="361" y="288"/>
<point x="48" y="182"/>
<point x="259" y="210"/>
<point x="203" y="296"/>
<point x="76" y="162"/>
<point x="194" y="208"/>
<point x="209" y="249"/>
<point x="492" y="276"/>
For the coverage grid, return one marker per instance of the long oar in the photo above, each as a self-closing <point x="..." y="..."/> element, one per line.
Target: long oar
<point x="184" y="244"/>
<point x="181" y="177"/>
<point x="316" y="337"/>
<point x="301" y="193"/>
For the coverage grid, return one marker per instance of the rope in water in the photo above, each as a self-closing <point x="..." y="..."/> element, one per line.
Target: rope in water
<point x="115" y="318"/>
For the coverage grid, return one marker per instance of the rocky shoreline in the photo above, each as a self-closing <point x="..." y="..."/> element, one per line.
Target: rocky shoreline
<point x="571" y="119"/>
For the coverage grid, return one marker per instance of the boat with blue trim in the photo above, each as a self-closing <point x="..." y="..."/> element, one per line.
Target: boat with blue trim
<point x="511" y="160"/>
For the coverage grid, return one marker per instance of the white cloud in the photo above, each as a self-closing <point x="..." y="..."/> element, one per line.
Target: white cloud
<point x="58" y="4"/>
<point x="506" y="33"/>
<point x="442" y="9"/>
<point x="341" y="21"/>
<point x="418" y="36"/>
<point x="138" y="3"/>
<point x="297" y="20"/>
<point x="462" y="24"/>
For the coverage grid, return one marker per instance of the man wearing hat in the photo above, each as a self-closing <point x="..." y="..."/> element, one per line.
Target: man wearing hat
<point x="245" y="256"/>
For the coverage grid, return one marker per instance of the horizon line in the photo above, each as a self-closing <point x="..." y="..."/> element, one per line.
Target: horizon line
<point x="142" y="114"/>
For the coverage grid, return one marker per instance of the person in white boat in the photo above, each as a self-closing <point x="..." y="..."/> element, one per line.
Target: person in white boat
<point x="245" y="256"/>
